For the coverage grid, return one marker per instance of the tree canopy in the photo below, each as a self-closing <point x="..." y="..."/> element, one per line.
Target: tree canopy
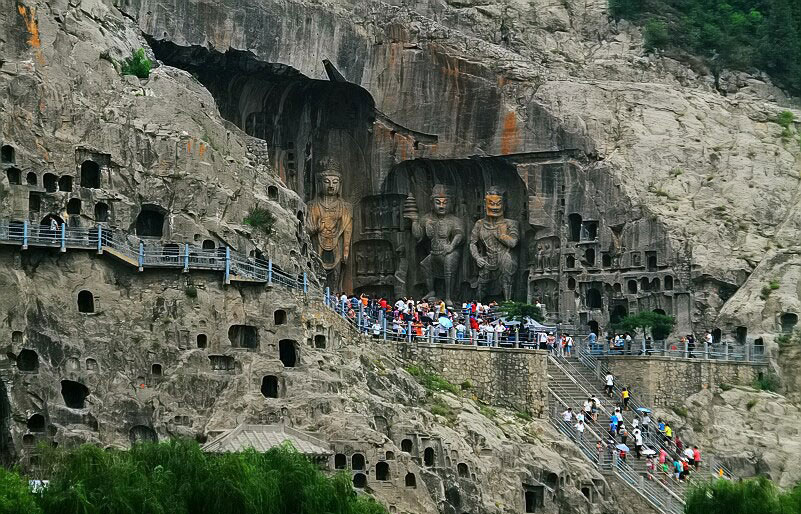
<point x="659" y="324"/>
<point x="518" y="311"/>
<point x="737" y="34"/>
<point x="754" y="496"/>
<point x="176" y="477"/>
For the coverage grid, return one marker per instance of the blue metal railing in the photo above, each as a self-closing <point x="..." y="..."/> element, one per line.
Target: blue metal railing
<point x="149" y="254"/>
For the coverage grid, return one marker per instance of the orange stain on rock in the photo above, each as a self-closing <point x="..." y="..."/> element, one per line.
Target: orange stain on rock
<point x="509" y="134"/>
<point x="189" y="146"/>
<point x="201" y="150"/>
<point x="31" y="25"/>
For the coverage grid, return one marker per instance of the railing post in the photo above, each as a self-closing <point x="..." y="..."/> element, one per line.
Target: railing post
<point x="63" y="237"/>
<point x="25" y="235"/>
<point x="141" y="256"/>
<point x="186" y="257"/>
<point x="748" y="351"/>
<point x="726" y="350"/>
<point x="384" y="327"/>
<point x="409" y="333"/>
<point x="269" y="271"/>
<point x="327" y="296"/>
<point x="706" y="350"/>
<point x="305" y="283"/>
<point x="686" y="348"/>
<point x="100" y="239"/>
<point x="517" y="337"/>
<point x="360" y="316"/>
<point x="344" y="314"/>
<point x="227" y="279"/>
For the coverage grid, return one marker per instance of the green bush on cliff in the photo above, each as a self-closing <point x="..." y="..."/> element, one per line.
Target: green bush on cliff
<point x="260" y="219"/>
<point x="178" y="478"/>
<point x="137" y="64"/>
<point x="753" y="496"/>
<point x="735" y="34"/>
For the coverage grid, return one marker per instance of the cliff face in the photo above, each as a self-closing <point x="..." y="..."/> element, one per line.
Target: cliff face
<point x="637" y="186"/>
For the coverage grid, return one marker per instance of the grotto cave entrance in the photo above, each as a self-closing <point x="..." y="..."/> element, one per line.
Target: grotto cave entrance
<point x="74" y="394"/>
<point x="302" y="120"/>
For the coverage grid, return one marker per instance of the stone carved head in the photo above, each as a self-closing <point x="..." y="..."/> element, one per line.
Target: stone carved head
<point x="441" y="199"/>
<point x="330" y="177"/>
<point x="495" y="202"/>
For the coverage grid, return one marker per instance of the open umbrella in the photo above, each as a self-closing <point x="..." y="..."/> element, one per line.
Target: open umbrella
<point x="622" y="447"/>
<point x="644" y="410"/>
<point x="445" y="322"/>
<point x="648" y="451"/>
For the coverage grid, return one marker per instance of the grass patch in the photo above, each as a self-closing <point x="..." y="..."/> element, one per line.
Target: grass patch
<point x="466" y="385"/>
<point x="524" y="415"/>
<point x="751" y="403"/>
<point x="190" y="292"/>
<point x="785" y="120"/>
<point x="137" y="64"/>
<point x="680" y="411"/>
<point x="431" y="381"/>
<point x="767" y="382"/>
<point x="726" y="387"/>
<point x="440" y="408"/>
<point x="768" y="288"/>
<point x="488" y="412"/>
<point x="260" y="219"/>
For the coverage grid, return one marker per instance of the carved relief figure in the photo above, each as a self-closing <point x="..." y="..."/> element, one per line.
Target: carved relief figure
<point x="492" y="242"/>
<point x="330" y="223"/>
<point x="446" y="234"/>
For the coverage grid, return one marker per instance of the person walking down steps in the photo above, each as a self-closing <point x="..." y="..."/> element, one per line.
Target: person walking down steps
<point x="610" y="384"/>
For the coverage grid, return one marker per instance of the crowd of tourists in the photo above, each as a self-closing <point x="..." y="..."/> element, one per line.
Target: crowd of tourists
<point x="474" y="323"/>
<point x="669" y="457"/>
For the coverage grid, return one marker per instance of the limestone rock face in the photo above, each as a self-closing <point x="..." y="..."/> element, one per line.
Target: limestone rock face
<point x="751" y="432"/>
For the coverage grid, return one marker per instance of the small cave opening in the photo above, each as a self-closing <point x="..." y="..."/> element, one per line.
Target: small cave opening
<point x="36" y="423"/>
<point x="16" y="337"/>
<point x="86" y="302"/>
<point x="357" y="461"/>
<point x="243" y="336"/>
<point x="7" y="154"/>
<point x="428" y="457"/>
<point x="202" y="340"/>
<point x="34" y="201"/>
<point x="300" y="119"/>
<point x="788" y="321"/>
<point x="668" y="283"/>
<point x="31" y="178"/>
<point x="101" y="212"/>
<point x="74" y="394"/>
<point x="570" y="262"/>
<point x="359" y="480"/>
<point x="90" y="174"/>
<point x="142" y="434"/>
<point x="14" y="176"/>
<point x="571" y="283"/>
<point x="319" y="342"/>
<point x="208" y="244"/>
<point x="269" y="386"/>
<point x="406" y="445"/>
<point x="574" y="226"/>
<point x="279" y="317"/>
<point x="150" y="221"/>
<point x="272" y="193"/>
<point x="288" y="352"/>
<point x="65" y="183"/>
<point x="463" y="470"/>
<point x="631" y="285"/>
<point x="50" y="182"/>
<point x="382" y="471"/>
<point x="74" y="206"/>
<point x="28" y="360"/>
<point x="411" y="480"/>
<point x="156" y="370"/>
<point x="594" y="299"/>
<point x="340" y="461"/>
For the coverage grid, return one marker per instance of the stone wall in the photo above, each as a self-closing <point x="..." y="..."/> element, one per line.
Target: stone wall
<point x="667" y="381"/>
<point x="514" y="378"/>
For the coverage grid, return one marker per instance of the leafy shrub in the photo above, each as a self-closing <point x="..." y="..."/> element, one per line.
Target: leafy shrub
<point x="751" y="496"/>
<point x="656" y="35"/>
<point x="440" y="408"/>
<point x="431" y="381"/>
<point x="751" y="403"/>
<point x="466" y="385"/>
<point x="680" y="411"/>
<point x="488" y="412"/>
<point x="190" y="291"/>
<point x="726" y="387"/>
<point x="524" y="415"/>
<point x="260" y="219"/>
<point x="767" y="382"/>
<point x="177" y="477"/>
<point x="15" y="496"/>
<point x="519" y="310"/>
<point x="785" y="120"/>
<point x="137" y="64"/>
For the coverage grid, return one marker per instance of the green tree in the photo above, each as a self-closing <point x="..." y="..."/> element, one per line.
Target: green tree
<point x="656" y="35"/>
<point x="137" y="64"/>
<point x="15" y="496"/>
<point x="660" y="325"/>
<point x="517" y="311"/>
<point x="261" y="219"/>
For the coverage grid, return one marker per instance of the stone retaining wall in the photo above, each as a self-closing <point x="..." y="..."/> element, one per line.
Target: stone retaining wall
<point x="514" y="378"/>
<point x="668" y="381"/>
